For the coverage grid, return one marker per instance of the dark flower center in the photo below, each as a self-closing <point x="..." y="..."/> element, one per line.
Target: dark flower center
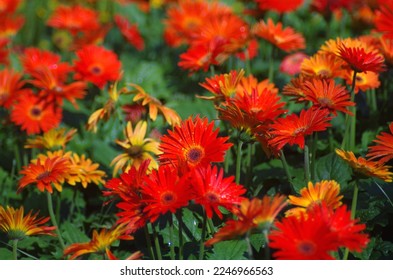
<point x="306" y="247"/>
<point x="134" y="151"/>
<point x="168" y="198"/>
<point x="35" y="112"/>
<point x="95" y="70"/>
<point x="194" y="155"/>
<point x="212" y="197"/>
<point x="43" y="176"/>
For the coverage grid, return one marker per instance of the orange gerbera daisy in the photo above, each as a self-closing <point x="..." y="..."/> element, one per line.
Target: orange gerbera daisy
<point x="130" y="32"/>
<point x="324" y="93"/>
<point x="295" y="89"/>
<point x="322" y="65"/>
<point x="100" y="242"/>
<point x="364" y="81"/>
<point x="17" y="225"/>
<point x="293" y="128"/>
<point x="137" y="148"/>
<point x="387" y="49"/>
<point x="384" y="18"/>
<point x="84" y="171"/>
<point x="250" y="214"/>
<point x="11" y="86"/>
<point x="194" y="143"/>
<point x="97" y="65"/>
<point x="45" y="174"/>
<point x="212" y="190"/>
<point x="164" y="191"/>
<point x="280" y="6"/>
<point x="155" y="106"/>
<point x="361" y="59"/>
<point x="285" y="39"/>
<point x="74" y="19"/>
<point x="366" y="167"/>
<point x="33" y="115"/>
<point x="51" y="140"/>
<point x="326" y="191"/>
<point x="383" y="150"/>
<point x="247" y="84"/>
<point x="223" y="86"/>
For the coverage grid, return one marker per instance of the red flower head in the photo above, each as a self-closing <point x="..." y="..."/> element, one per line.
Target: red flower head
<point x="10" y="87"/>
<point x="384" y="148"/>
<point x="193" y="143"/>
<point x="130" y="32"/>
<point x="34" y="116"/>
<point x="164" y="191"/>
<point x="326" y="94"/>
<point x="10" y="25"/>
<point x="213" y="190"/>
<point x="384" y="18"/>
<point x="280" y="6"/>
<point x="8" y="6"/>
<point x="97" y="65"/>
<point x="293" y="128"/>
<point x="74" y="19"/>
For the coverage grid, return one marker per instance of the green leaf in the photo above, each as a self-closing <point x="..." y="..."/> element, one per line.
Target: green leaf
<point x="331" y="167"/>
<point x="229" y="250"/>
<point x="257" y="241"/>
<point x="73" y="234"/>
<point x="5" y="254"/>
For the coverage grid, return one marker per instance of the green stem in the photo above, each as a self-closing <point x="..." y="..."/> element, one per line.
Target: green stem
<point x="15" y="249"/>
<point x="179" y="216"/>
<point x="250" y="152"/>
<point x="314" y="148"/>
<point x="148" y="242"/>
<point x="53" y="219"/>
<point x="249" y="247"/>
<point x="267" y="248"/>
<point x="353" y="212"/>
<point x="17" y="157"/>
<point x="271" y="64"/>
<point x="171" y="238"/>
<point x="203" y="235"/>
<point x="307" y="164"/>
<point x="156" y="242"/>
<point x="350" y="126"/>
<point x="286" y="167"/>
<point x="239" y="160"/>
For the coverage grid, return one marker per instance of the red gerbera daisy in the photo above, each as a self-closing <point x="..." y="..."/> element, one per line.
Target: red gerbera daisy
<point x="384" y="148"/>
<point x="325" y="93"/>
<point x="193" y="143"/>
<point x="10" y="87"/>
<point x="130" y="32"/>
<point x="97" y="65"/>
<point x="302" y="238"/>
<point x="384" y="18"/>
<point x="8" y="6"/>
<point x="361" y="59"/>
<point x="164" y="191"/>
<point x="280" y="6"/>
<point x="35" y="116"/>
<point x="292" y="129"/>
<point x="10" y="25"/>
<point x="213" y="190"/>
<point x="74" y="19"/>
<point x="52" y="171"/>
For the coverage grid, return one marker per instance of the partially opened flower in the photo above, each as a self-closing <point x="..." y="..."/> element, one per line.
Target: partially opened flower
<point x="17" y="225"/>
<point x="130" y="32"/>
<point x="285" y="39"/>
<point x="194" y="143"/>
<point x="165" y="191"/>
<point x="136" y="148"/>
<point x="100" y="242"/>
<point x="51" y="140"/>
<point x="292" y="129"/>
<point x="45" y="174"/>
<point x="97" y="65"/>
<point x="364" y="167"/>
<point x="383" y="150"/>
<point x="212" y="190"/>
<point x="74" y="19"/>
<point x="326" y="191"/>
<point x="251" y="214"/>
